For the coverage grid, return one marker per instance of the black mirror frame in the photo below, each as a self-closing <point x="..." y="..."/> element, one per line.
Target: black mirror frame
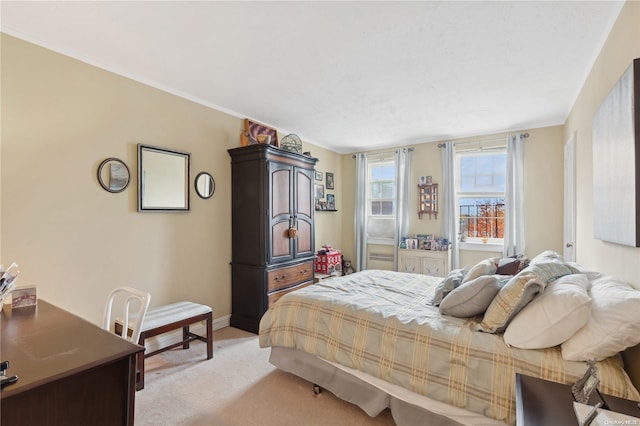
<point x="187" y="158"/>
<point x="213" y="187"/>
<point x="104" y="185"/>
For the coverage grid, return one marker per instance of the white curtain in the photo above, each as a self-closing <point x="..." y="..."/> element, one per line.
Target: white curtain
<point x="448" y="206"/>
<point x="403" y="182"/>
<point x="514" y="197"/>
<point x="361" y="212"/>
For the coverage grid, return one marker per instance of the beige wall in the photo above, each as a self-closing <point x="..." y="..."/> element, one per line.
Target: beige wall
<point x="543" y="177"/>
<point x="328" y="224"/>
<point x="621" y="47"/>
<point x="75" y="241"/>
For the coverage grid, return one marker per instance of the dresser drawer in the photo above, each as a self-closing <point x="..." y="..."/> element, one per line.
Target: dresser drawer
<point x="288" y="276"/>
<point x="275" y="296"/>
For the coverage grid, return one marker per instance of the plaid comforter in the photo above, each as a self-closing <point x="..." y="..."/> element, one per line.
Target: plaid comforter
<point x="381" y="322"/>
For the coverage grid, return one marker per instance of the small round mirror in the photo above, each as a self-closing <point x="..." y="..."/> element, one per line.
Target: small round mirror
<point x="205" y="185"/>
<point x="113" y="175"/>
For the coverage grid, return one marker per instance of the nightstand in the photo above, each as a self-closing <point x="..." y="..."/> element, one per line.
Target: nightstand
<point x="541" y="403"/>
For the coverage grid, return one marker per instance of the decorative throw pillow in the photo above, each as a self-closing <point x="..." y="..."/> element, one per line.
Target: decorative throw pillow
<point x="512" y="265"/>
<point x="472" y="297"/>
<point x="547" y="256"/>
<point x="485" y="267"/>
<point x="553" y="316"/>
<point x="614" y="323"/>
<point x="451" y="281"/>
<point x="550" y="270"/>
<point x="514" y="296"/>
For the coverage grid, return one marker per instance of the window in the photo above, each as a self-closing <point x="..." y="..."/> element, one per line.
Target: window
<point x="381" y="199"/>
<point x="480" y="194"/>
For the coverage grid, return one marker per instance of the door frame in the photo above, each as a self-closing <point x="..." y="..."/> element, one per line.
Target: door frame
<point x="569" y="232"/>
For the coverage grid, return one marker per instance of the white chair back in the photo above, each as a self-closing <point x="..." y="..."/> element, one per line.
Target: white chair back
<point x="132" y="314"/>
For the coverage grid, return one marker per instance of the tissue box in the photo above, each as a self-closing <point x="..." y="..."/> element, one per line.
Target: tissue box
<point x="329" y="262"/>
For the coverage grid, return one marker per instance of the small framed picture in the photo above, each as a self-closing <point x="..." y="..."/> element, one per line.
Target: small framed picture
<point x="254" y="129"/>
<point x="583" y="388"/>
<point x="319" y="191"/>
<point x="23" y="297"/>
<point x="330" y="181"/>
<point x="331" y="202"/>
<point x="318" y="176"/>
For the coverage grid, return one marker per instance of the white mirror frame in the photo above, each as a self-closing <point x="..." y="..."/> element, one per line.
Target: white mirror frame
<point x="163" y="179"/>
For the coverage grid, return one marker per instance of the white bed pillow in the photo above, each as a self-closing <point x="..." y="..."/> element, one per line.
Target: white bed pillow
<point x="553" y="316"/>
<point x="613" y="326"/>
<point x="484" y="267"/>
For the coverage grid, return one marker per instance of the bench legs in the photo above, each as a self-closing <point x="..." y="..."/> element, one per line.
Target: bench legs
<point x="187" y="338"/>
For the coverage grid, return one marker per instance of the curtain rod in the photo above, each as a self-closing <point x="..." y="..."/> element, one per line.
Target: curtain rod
<point x="385" y="152"/>
<point x="522" y="136"/>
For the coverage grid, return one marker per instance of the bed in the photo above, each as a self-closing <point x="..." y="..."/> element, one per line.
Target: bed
<point x="374" y="338"/>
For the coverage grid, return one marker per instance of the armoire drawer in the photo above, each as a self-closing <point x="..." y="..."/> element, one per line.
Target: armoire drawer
<point x="288" y="276"/>
<point x="275" y="296"/>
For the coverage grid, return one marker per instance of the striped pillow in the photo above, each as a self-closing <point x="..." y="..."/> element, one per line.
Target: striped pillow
<point x="518" y="292"/>
<point x="514" y="296"/>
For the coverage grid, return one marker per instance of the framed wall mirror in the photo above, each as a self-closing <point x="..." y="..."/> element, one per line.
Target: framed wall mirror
<point x="205" y="185"/>
<point x="113" y="175"/>
<point x="163" y="179"/>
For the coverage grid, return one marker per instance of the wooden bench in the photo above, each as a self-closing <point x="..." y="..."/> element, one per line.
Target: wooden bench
<point x="162" y="319"/>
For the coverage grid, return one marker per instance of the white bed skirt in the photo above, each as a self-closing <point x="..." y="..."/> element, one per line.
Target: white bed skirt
<point x="373" y="395"/>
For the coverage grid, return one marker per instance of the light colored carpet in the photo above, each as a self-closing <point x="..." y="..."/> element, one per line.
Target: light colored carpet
<point x="238" y="386"/>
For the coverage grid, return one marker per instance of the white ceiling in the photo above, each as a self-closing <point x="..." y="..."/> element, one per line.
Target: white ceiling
<point x="347" y="76"/>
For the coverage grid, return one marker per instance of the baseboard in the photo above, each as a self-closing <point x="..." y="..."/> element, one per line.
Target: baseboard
<point x="154" y="343"/>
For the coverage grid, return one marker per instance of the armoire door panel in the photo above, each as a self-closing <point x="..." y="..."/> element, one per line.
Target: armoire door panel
<point x="280" y="241"/>
<point x="280" y="189"/>
<point x="304" y="239"/>
<point x="303" y="193"/>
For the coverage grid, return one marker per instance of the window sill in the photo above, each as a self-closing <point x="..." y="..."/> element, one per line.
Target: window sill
<point x="481" y="247"/>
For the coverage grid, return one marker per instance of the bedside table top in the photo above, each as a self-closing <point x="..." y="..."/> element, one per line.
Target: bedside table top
<point x="540" y="402"/>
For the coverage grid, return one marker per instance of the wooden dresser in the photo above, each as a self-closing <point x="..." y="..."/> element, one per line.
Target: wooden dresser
<point x="426" y="262"/>
<point x="273" y="250"/>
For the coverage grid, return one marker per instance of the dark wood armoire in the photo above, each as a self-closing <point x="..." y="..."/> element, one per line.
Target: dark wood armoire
<point x="272" y="207"/>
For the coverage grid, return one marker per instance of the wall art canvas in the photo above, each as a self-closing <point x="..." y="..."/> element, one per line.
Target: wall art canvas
<point x="616" y="154"/>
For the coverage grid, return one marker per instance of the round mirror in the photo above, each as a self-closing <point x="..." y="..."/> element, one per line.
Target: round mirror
<point x="205" y="185"/>
<point x="113" y="175"/>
